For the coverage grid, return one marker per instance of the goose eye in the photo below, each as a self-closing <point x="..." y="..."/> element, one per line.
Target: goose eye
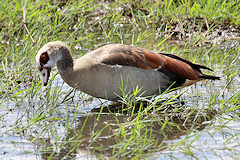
<point x="44" y="58"/>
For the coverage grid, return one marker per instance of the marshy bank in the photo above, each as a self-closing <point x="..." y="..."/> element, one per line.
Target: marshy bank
<point x="58" y="122"/>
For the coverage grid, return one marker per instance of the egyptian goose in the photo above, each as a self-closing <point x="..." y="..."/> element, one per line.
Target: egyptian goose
<point x="101" y="73"/>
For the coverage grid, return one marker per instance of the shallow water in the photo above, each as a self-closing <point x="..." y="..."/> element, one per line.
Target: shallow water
<point x="217" y="137"/>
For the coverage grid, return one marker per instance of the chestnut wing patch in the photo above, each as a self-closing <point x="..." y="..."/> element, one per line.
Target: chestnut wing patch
<point x="195" y="66"/>
<point x="185" y="68"/>
<point x="181" y="69"/>
<point x="145" y="59"/>
<point x="175" y="65"/>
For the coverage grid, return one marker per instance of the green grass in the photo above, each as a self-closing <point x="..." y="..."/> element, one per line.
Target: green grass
<point x="197" y="122"/>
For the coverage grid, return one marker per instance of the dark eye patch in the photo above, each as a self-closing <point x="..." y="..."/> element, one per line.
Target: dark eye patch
<point x="44" y="58"/>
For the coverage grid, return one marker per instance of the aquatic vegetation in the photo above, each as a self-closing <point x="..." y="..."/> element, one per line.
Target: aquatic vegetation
<point x="57" y="121"/>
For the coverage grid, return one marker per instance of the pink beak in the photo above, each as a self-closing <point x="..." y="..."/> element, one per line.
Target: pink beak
<point x="45" y="72"/>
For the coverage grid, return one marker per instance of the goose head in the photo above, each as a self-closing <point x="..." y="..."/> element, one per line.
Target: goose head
<point x="50" y="54"/>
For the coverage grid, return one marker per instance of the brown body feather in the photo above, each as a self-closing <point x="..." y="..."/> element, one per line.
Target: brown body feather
<point x="145" y="59"/>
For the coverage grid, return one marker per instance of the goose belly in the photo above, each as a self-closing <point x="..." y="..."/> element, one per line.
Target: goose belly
<point x="111" y="82"/>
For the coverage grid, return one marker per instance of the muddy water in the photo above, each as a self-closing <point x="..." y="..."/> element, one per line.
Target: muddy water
<point x="214" y="137"/>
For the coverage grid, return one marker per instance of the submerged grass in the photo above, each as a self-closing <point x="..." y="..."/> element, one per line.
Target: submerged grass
<point x="56" y="119"/>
